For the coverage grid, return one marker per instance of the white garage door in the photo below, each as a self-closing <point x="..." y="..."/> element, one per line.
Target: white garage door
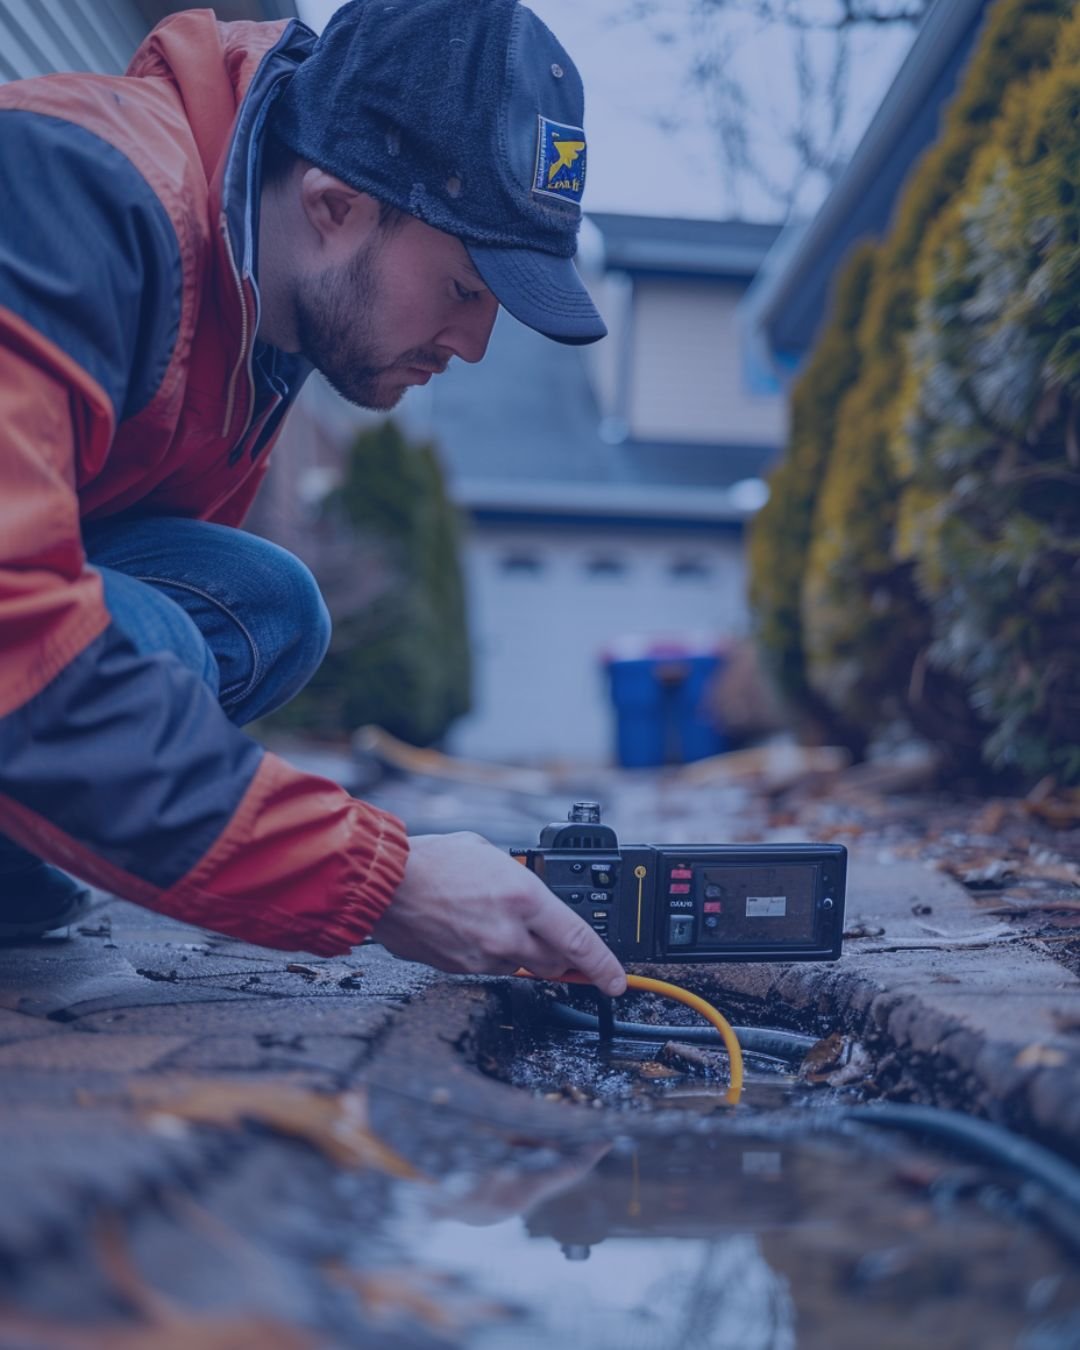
<point x="545" y="606"/>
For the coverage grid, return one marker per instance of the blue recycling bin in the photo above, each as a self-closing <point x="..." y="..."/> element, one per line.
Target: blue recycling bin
<point x="659" y="701"/>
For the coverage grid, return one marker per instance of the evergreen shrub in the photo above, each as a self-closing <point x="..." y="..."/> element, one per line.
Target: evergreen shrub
<point x="991" y="516"/>
<point x="868" y="631"/>
<point x="402" y="660"/>
<point x="780" y="535"/>
<point x="867" y="640"/>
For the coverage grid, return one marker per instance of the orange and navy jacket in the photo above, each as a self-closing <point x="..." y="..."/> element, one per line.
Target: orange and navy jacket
<point x="131" y="382"/>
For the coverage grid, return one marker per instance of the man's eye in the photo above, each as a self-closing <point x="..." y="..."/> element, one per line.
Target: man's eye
<point x="463" y="293"/>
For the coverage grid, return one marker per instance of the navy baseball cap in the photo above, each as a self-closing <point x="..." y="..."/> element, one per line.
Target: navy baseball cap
<point x="467" y="114"/>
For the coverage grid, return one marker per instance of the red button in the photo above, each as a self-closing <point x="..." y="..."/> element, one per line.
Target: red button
<point x="680" y="889"/>
<point x="713" y="907"/>
<point x="681" y="874"/>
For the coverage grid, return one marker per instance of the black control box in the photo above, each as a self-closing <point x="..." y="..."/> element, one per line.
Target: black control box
<point x="695" y="902"/>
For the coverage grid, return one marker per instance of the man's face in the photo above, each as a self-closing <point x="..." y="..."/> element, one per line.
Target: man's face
<point x="393" y="315"/>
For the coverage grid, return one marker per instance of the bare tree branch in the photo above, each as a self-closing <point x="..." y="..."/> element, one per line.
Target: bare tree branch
<point x="820" y="54"/>
<point x="793" y="14"/>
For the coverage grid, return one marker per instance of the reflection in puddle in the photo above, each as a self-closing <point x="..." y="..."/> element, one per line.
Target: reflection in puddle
<point x="761" y="1232"/>
<point x="631" y="1294"/>
<point x="373" y="1216"/>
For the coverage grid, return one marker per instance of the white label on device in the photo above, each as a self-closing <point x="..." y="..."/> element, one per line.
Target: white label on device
<point x="766" y="906"/>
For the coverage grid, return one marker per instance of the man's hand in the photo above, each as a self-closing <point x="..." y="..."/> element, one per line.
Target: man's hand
<point x="467" y="907"/>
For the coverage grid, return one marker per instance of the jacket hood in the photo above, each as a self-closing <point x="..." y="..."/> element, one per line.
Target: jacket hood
<point x="211" y="64"/>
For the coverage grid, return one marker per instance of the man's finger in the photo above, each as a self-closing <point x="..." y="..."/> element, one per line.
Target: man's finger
<point x="570" y="940"/>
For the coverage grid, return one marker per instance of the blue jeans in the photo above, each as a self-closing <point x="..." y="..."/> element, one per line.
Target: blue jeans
<point x="243" y="614"/>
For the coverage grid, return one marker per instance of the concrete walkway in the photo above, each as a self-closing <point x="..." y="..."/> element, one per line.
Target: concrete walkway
<point x="166" y="1091"/>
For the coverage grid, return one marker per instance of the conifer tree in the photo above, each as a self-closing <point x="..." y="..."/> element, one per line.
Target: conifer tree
<point x="402" y="660"/>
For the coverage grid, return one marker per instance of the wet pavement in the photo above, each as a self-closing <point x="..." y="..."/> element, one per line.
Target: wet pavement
<point x="205" y="1143"/>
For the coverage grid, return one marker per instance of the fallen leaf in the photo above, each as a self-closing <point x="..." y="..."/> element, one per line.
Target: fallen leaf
<point x="861" y="929"/>
<point x="571" y="1092"/>
<point x="693" y="1057"/>
<point x="336" y="1124"/>
<point x="1060" y="810"/>
<point x="433" y="1299"/>
<point x="164" y="1325"/>
<point x="995" y="872"/>
<point x="1048" y="867"/>
<point x="373" y="742"/>
<point x="778" y="767"/>
<point x="990" y="819"/>
<point x="857" y="1066"/>
<point x="1040" y="1057"/>
<point x="328" y="972"/>
<point x="1023" y="905"/>
<point x="842" y="830"/>
<point x="650" y="1069"/>
<point x="822" y="1058"/>
<point x="837" y="1061"/>
<point x="181" y="1332"/>
<point x="942" y="941"/>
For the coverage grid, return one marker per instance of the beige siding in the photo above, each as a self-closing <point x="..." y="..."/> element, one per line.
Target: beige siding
<point x="686" y="373"/>
<point x="613" y="294"/>
<point x="38" y="37"/>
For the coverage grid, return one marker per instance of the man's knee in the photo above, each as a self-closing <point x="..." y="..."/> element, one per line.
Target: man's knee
<point x="312" y="620"/>
<point x="295" y="628"/>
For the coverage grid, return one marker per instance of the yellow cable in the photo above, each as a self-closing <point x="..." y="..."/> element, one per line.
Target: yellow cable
<point x="710" y="1014"/>
<point x="673" y="991"/>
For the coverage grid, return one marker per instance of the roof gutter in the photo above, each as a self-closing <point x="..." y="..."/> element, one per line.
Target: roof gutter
<point x="617" y="500"/>
<point x="687" y="258"/>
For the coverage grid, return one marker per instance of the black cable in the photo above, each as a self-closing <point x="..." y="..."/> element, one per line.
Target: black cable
<point x="759" y="1040"/>
<point x="605" y="1020"/>
<point x="1054" y="1181"/>
<point x="980" y="1137"/>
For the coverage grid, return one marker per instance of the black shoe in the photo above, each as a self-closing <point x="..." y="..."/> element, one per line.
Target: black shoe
<point x="38" y="898"/>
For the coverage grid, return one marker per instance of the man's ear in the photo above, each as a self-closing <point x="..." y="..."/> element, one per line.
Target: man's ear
<point x="341" y="216"/>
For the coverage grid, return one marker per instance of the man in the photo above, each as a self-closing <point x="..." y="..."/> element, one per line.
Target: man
<point x="160" y="306"/>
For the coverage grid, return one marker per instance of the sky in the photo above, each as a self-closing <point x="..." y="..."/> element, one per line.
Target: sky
<point x="652" y="150"/>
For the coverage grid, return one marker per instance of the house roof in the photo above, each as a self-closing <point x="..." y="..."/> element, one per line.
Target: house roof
<point x="521" y="430"/>
<point x="701" y="247"/>
<point x="790" y="297"/>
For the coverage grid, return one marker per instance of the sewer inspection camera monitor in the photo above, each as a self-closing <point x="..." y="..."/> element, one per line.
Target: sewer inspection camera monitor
<point x="695" y="902"/>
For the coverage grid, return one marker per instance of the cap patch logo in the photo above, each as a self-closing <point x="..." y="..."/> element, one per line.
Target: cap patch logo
<point x="560" y="161"/>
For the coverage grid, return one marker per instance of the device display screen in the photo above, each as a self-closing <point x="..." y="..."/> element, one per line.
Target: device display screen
<point x="755" y="905"/>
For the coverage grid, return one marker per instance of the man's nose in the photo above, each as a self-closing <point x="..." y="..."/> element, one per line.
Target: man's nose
<point x="468" y="336"/>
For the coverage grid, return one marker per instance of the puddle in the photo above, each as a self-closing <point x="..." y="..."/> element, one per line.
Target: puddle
<point x="369" y="1215"/>
<point x="769" y="1235"/>
<point x="767" y="1228"/>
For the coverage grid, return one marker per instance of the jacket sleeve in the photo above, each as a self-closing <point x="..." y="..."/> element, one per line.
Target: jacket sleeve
<point x="122" y="768"/>
<point x="117" y="766"/>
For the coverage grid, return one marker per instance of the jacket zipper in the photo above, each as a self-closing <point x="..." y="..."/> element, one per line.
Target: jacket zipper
<point x="243" y="358"/>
